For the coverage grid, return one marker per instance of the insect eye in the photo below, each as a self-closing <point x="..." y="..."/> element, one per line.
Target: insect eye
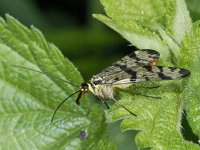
<point x="84" y="86"/>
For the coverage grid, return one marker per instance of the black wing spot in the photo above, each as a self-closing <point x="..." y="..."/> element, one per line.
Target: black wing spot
<point x="184" y="72"/>
<point x="133" y="77"/>
<point x="147" y="79"/>
<point x="97" y="82"/>
<point x="172" y="69"/>
<point x="132" y="55"/>
<point x="149" y="68"/>
<point x="161" y="68"/>
<point x="152" y="52"/>
<point x="162" y="76"/>
<point x="116" y="79"/>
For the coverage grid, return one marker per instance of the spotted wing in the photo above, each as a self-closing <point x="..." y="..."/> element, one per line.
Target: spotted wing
<point x="137" y="67"/>
<point x="133" y="60"/>
<point x="137" y="58"/>
<point x="149" y="73"/>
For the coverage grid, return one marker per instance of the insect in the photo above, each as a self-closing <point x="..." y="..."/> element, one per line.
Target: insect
<point x="139" y="66"/>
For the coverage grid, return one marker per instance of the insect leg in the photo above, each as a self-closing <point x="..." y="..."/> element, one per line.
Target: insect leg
<point x="148" y="87"/>
<point x="124" y="108"/>
<point x="106" y="105"/>
<point x="124" y="90"/>
<point x="156" y="97"/>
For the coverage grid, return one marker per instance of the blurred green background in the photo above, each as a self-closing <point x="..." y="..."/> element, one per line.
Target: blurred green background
<point x="88" y="43"/>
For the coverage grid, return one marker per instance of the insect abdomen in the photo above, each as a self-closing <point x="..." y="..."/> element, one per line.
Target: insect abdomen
<point x="103" y="91"/>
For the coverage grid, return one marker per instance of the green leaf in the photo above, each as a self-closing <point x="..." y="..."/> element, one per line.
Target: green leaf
<point x="28" y="99"/>
<point x="190" y="59"/>
<point x="158" y="120"/>
<point x="166" y="27"/>
<point x="158" y="24"/>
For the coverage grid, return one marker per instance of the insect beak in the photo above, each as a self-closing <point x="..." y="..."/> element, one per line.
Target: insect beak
<point x="84" y="89"/>
<point x="79" y="97"/>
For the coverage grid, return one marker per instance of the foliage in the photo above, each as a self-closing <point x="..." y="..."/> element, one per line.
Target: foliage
<point x="159" y="25"/>
<point x="166" y="27"/>
<point x="28" y="99"/>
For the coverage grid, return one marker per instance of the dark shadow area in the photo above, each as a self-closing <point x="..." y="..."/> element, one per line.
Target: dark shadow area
<point x="74" y="12"/>
<point x="187" y="130"/>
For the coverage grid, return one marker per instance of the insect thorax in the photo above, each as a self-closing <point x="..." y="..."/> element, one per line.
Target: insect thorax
<point x="103" y="91"/>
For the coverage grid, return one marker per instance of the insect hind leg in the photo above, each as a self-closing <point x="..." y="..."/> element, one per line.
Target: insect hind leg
<point x="147" y="87"/>
<point x="156" y="97"/>
<point x="134" y="93"/>
<point x="124" y="108"/>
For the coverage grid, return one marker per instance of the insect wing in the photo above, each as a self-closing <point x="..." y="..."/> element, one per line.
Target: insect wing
<point x="124" y="67"/>
<point x="141" y="58"/>
<point x="151" y="73"/>
<point x="137" y="67"/>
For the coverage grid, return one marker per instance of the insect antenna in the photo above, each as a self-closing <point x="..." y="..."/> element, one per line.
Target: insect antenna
<point x="61" y="104"/>
<point x="49" y="75"/>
